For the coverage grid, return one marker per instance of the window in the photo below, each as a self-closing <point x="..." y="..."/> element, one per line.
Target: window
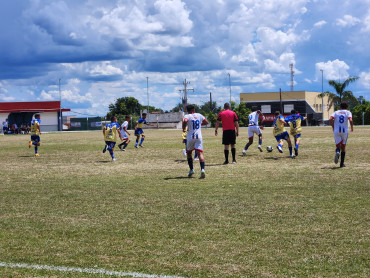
<point x="266" y="109"/>
<point x="288" y="108"/>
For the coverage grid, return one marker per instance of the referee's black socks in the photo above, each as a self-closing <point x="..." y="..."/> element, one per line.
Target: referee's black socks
<point x="226" y="152"/>
<point x="233" y="151"/>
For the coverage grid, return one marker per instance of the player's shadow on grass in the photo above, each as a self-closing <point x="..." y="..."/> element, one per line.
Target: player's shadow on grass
<point x="104" y="161"/>
<point x="177" y="178"/>
<point x="181" y="161"/>
<point x="331" y="168"/>
<point x="26" y="155"/>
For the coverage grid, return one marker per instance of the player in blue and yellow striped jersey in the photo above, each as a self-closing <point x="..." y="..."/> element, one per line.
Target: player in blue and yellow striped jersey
<point x="35" y="133"/>
<point x="110" y="136"/>
<point x="139" y="130"/>
<point x="295" y="122"/>
<point x="281" y="134"/>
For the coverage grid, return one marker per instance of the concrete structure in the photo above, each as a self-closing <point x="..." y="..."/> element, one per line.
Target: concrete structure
<point x="22" y="112"/>
<point x="166" y="120"/>
<point x="305" y="102"/>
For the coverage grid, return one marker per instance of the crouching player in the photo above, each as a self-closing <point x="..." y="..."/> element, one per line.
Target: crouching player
<point x="35" y="133"/>
<point x="295" y="122"/>
<point x="339" y="123"/>
<point x="281" y="134"/>
<point x="110" y="136"/>
<point x="194" y="121"/>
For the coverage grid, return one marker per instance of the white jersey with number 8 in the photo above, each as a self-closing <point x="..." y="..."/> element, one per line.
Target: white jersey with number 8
<point x="341" y="121"/>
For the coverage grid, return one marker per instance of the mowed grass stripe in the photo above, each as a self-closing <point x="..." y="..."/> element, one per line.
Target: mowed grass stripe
<point x="268" y="215"/>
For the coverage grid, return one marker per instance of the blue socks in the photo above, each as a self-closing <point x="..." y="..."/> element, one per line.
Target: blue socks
<point x="202" y="165"/>
<point x="142" y="140"/>
<point x="290" y="150"/>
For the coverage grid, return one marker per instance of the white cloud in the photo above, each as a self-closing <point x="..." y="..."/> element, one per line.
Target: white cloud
<point x="320" y="23"/>
<point x="365" y="79"/>
<point x="104" y="69"/>
<point x="333" y="70"/>
<point x="4" y="97"/>
<point x="366" y="22"/>
<point x="47" y="96"/>
<point x="281" y="65"/>
<point x="347" y="21"/>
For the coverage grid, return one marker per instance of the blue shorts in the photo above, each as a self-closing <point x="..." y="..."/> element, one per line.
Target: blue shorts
<point x="110" y="144"/>
<point x="281" y="136"/>
<point x="35" y="138"/>
<point x="139" y="131"/>
<point x="296" y="135"/>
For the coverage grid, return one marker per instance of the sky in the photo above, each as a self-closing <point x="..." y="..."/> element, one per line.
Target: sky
<point x="92" y="52"/>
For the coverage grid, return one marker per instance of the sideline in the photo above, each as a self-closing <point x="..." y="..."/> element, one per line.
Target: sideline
<point x="84" y="270"/>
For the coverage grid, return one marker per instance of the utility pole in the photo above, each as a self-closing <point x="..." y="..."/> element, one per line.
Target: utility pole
<point x="210" y="101"/>
<point x="60" y="108"/>
<point x="185" y="98"/>
<point x="281" y="104"/>
<point x="322" y="95"/>
<point x="147" y="92"/>
<point x="230" y="87"/>
<point x="291" y="78"/>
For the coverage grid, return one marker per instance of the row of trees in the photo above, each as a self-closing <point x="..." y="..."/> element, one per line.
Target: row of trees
<point x="131" y="106"/>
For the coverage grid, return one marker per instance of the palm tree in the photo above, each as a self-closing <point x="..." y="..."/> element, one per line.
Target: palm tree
<point x="341" y="94"/>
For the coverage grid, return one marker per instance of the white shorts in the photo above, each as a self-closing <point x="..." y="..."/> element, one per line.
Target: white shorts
<point x="253" y="129"/>
<point x="124" y="135"/>
<point x="194" y="144"/>
<point x="340" y="138"/>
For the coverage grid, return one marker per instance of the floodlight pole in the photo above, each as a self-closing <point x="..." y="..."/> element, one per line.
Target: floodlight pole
<point x="322" y="95"/>
<point x="60" y="107"/>
<point x="147" y="92"/>
<point x="230" y="87"/>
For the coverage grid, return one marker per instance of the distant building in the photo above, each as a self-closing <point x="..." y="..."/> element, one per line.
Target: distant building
<point x="22" y="112"/>
<point x="165" y="120"/>
<point x="305" y="102"/>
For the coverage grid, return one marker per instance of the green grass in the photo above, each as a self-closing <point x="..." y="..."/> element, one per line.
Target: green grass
<point x="266" y="216"/>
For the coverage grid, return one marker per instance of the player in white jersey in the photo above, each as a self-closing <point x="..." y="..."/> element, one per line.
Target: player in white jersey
<point x="125" y="134"/>
<point x="339" y="122"/>
<point x="194" y="121"/>
<point x="254" y="128"/>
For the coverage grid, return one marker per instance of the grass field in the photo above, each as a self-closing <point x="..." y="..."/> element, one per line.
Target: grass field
<point x="266" y="216"/>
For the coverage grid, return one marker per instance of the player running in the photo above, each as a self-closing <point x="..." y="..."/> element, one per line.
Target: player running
<point x="339" y="123"/>
<point x="35" y="133"/>
<point x="184" y="141"/>
<point x="295" y="122"/>
<point x="125" y="134"/>
<point x="139" y="130"/>
<point x="254" y="128"/>
<point x="110" y="136"/>
<point x="194" y="121"/>
<point x="281" y="134"/>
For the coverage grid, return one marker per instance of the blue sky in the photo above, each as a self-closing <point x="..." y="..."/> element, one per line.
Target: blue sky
<point x="105" y="49"/>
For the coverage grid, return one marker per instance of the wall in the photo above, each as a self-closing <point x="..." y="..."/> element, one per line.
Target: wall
<point x="49" y="121"/>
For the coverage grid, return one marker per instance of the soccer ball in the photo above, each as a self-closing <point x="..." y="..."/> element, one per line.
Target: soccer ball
<point x="269" y="149"/>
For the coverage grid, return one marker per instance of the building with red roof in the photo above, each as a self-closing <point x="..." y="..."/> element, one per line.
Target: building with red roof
<point x="22" y="112"/>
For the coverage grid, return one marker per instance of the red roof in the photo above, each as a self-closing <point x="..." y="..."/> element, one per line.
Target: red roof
<point x="31" y="106"/>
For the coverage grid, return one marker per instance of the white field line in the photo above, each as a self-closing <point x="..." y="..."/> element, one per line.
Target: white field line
<point x="84" y="270"/>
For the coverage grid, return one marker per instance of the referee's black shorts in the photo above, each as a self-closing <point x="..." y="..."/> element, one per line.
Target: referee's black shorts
<point x="229" y="137"/>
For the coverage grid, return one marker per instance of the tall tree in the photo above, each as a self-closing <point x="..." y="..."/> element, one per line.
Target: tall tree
<point x="341" y="94"/>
